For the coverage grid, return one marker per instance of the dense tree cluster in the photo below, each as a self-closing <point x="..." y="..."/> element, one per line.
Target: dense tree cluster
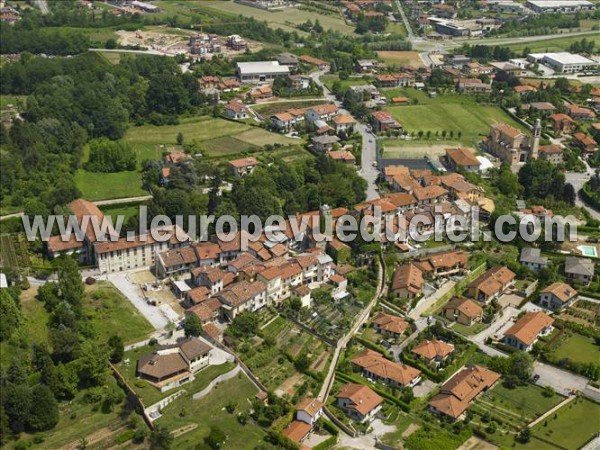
<point x="110" y="156"/>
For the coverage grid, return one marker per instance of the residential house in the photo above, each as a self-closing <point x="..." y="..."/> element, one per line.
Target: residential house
<point x="213" y="278"/>
<point x="433" y="352"/>
<point x="584" y="142"/>
<point x="444" y="263"/>
<point x="491" y="284"/>
<point x="526" y="331"/>
<point x="343" y="156"/>
<point x="235" y="109"/>
<point x="557" y="296"/>
<point x="243" y="296"/>
<point x="552" y="153"/>
<point x="343" y="122"/>
<point x="580" y="270"/>
<point x="297" y="431"/>
<point x="283" y="120"/>
<point x="299" y="82"/>
<point x="407" y="281"/>
<point x="172" y="365"/>
<point x="473" y="85"/>
<point x="207" y="311"/>
<point x="390" y="325"/>
<point x="561" y="123"/>
<point x="365" y="65"/>
<point x="430" y="194"/>
<point x="340" y="286"/>
<point x="359" y="402"/>
<point x="324" y="144"/>
<point x="321" y="112"/>
<point x="288" y="59"/>
<point x="457" y="394"/>
<point x="261" y="92"/>
<point x="243" y="166"/>
<point x="524" y="89"/>
<point x="375" y="366"/>
<point x="463" y="311"/>
<point x="532" y="258"/>
<point x="321" y="65"/>
<point x="462" y="158"/>
<point x="542" y="108"/>
<point x="382" y="121"/>
<point x="577" y="112"/>
<point x="309" y="410"/>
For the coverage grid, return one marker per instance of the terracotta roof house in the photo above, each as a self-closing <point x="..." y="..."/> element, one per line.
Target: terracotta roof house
<point x="577" y="112"/>
<point x="444" y="263"/>
<point x="557" y="296"/>
<point x="430" y="194"/>
<point x="561" y="123"/>
<point x="551" y="152"/>
<point x="524" y="89"/>
<point x="462" y="158"/>
<point x="243" y="166"/>
<point x="172" y="365"/>
<point x="207" y="310"/>
<point x="360" y="402"/>
<point x="343" y="122"/>
<point x="407" y="281"/>
<point x="459" y="391"/>
<point x="584" y="142"/>
<point x="314" y="61"/>
<point x="433" y="352"/>
<point x="526" y="331"/>
<point x="580" y="270"/>
<point x="235" y="109"/>
<point x="382" y="121"/>
<point x="297" y="431"/>
<point x="491" y="284"/>
<point x="243" y="296"/>
<point x="343" y="156"/>
<point x="389" y="324"/>
<point x="376" y="366"/>
<point x="309" y="410"/>
<point x="463" y="311"/>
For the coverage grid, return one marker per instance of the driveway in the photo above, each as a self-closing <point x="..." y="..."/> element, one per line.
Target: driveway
<point x="378" y="429"/>
<point x="133" y="292"/>
<point x="578" y="180"/>
<point x="560" y="380"/>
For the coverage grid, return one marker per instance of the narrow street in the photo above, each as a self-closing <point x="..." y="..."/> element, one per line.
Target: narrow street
<point x="368" y="170"/>
<point x="578" y="180"/>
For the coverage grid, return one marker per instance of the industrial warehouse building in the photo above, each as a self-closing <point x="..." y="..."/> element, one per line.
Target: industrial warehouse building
<point x="260" y="71"/>
<point x="563" y="62"/>
<point x="563" y="6"/>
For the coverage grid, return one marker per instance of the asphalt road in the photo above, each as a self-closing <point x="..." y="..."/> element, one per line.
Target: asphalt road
<point x="578" y="180"/>
<point x="368" y="170"/>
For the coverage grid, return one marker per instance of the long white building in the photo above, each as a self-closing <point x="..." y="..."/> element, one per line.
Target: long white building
<point x="564" y="62"/>
<point x="563" y="6"/>
<point x="256" y="72"/>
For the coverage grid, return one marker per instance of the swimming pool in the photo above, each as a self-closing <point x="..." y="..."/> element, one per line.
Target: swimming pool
<point x="588" y="250"/>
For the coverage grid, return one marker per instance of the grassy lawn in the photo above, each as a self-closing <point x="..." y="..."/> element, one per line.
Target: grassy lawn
<point x="328" y="80"/>
<point x="114" y="211"/>
<point x="286" y="18"/>
<point x="13" y="100"/>
<point x="469" y="330"/>
<point x="111" y="313"/>
<point x="455" y="113"/>
<point x="100" y="186"/>
<point x="575" y="424"/>
<point x="148" y="393"/>
<point x="400" y="58"/>
<point x="578" y="348"/>
<point x="219" y="137"/>
<point x="210" y="412"/>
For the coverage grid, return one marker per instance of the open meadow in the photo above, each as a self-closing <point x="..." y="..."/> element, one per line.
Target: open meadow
<point x="401" y="58"/>
<point x="284" y="18"/>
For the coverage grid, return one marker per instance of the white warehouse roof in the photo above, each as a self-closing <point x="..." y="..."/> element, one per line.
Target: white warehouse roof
<point x="563" y="58"/>
<point x="559" y="3"/>
<point x="254" y="67"/>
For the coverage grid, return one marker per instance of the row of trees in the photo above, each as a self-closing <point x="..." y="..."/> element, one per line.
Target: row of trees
<point x="110" y="156"/>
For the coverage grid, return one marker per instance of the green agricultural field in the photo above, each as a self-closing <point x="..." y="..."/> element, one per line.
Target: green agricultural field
<point x="457" y="113"/>
<point x="111" y="313"/>
<point x="578" y="348"/>
<point x="401" y="58"/>
<point x="200" y="415"/>
<point x="286" y="18"/>
<point x="219" y="137"/>
<point x="328" y="80"/>
<point x="101" y="186"/>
